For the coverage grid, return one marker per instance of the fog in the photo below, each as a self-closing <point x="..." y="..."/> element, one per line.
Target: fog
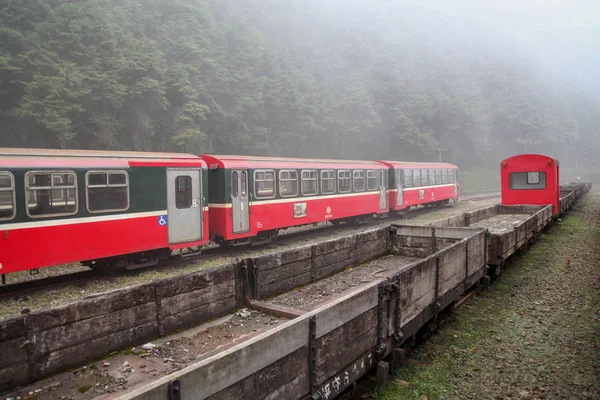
<point x="470" y="82"/>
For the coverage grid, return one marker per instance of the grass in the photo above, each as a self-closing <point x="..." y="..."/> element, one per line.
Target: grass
<point x="534" y="334"/>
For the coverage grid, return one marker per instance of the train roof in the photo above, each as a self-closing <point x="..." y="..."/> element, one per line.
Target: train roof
<point x="530" y="157"/>
<point x="51" y="158"/>
<point x="410" y="164"/>
<point x="236" y="161"/>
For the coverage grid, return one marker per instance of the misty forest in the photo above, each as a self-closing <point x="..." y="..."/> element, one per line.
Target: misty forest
<point x="358" y="79"/>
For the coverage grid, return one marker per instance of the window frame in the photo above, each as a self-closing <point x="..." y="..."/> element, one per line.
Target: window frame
<point x="451" y="176"/>
<point x="14" y="196"/>
<point x="326" y="179"/>
<point x="444" y="176"/>
<point x="431" y="173"/>
<point x="51" y="188"/>
<point x="405" y="173"/>
<point x="424" y="177"/>
<point x="108" y="185"/>
<point x="364" y="178"/>
<point x="418" y="172"/>
<point x="349" y="179"/>
<point x="316" y="179"/>
<point x="255" y="180"/>
<point x="439" y="179"/>
<point x="376" y="188"/>
<point x="191" y="192"/>
<point x="541" y="174"/>
<point x="287" y="180"/>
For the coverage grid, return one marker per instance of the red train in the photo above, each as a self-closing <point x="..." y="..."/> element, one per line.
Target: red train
<point x="131" y="209"/>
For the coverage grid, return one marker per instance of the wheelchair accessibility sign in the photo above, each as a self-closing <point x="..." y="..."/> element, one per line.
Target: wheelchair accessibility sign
<point x="162" y="220"/>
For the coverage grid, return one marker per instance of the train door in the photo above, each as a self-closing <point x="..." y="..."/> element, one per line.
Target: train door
<point x="382" y="191"/>
<point x="184" y="205"/>
<point x="239" y="201"/>
<point x="400" y="187"/>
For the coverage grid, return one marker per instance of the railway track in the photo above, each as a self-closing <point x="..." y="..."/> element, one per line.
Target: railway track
<point x="22" y="288"/>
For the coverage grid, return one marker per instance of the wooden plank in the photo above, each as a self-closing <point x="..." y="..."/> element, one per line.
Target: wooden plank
<point x="340" y="311"/>
<point x="86" y="330"/>
<point x="73" y="356"/>
<point x="340" y="347"/>
<point x="181" y="284"/>
<point x="194" y="316"/>
<point x="91" y="307"/>
<point x="276" y="288"/>
<point x="12" y="328"/>
<point x="222" y="370"/>
<point x="189" y="300"/>
<point x="13" y="351"/>
<point x="285" y="271"/>
<point x="13" y="375"/>
<point x="276" y="309"/>
<point x="287" y="378"/>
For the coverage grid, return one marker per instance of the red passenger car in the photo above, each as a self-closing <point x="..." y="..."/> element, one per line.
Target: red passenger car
<point x="413" y="184"/>
<point x="530" y="179"/>
<point x="106" y="209"/>
<point x="252" y="198"/>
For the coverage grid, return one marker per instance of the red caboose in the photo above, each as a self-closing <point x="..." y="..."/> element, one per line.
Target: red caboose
<point x="530" y="179"/>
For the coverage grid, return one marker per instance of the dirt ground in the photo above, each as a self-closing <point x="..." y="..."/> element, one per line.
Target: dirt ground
<point x="534" y="335"/>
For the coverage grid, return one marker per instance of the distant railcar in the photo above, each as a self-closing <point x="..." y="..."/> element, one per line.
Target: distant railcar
<point x="426" y="184"/>
<point x="252" y="198"/>
<point x="530" y="179"/>
<point x="106" y="209"/>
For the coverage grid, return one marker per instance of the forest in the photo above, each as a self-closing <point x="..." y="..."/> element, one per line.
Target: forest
<point x="278" y="78"/>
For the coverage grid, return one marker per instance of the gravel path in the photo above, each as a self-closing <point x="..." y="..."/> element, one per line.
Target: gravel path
<point x="43" y="299"/>
<point x="534" y="335"/>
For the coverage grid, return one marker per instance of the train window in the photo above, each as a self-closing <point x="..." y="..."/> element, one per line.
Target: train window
<point x="444" y="176"/>
<point x="358" y="178"/>
<point x="527" y="180"/>
<point x="432" y="176"/>
<point x="451" y="176"/>
<point x="372" y="180"/>
<point x="235" y="187"/>
<point x="264" y="184"/>
<point x="107" y="191"/>
<point x="244" y="183"/>
<point x="288" y="183"/>
<point x="424" y="177"/>
<point x="51" y="193"/>
<point x="438" y="176"/>
<point x="408" y="178"/>
<point x="309" y="183"/>
<point x="416" y="177"/>
<point x="183" y="191"/>
<point x="328" y="181"/>
<point x="7" y="196"/>
<point x="344" y="181"/>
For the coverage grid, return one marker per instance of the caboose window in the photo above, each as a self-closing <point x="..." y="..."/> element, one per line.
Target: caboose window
<point x="438" y="177"/>
<point x="359" y="181"/>
<point x="328" y="181"/>
<point x="444" y="176"/>
<point x="344" y="181"/>
<point x="372" y="180"/>
<point x="51" y="193"/>
<point x="432" y="176"/>
<point x="108" y="191"/>
<point x="416" y="177"/>
<point x="264" y="184"/>
<point x="451" y="176"/>
<point x="527" y="180"/>
<point x="288" y="183"/>
<point x="309" y="183"/>
<point x="408" y="178"/>
<point x="424" y="177"/>
<point x="7" y="196"/>
<point x="533" y="178"/>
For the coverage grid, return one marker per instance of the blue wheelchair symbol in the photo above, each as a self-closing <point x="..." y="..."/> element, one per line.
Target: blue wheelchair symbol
<point x="162" y="220"/>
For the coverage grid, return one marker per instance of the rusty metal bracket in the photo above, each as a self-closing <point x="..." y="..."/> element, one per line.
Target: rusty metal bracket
<point x="467" y="281"/>
<point x="175" y="390"/>
<point x="398" y="320"/>
<point x="437" y="306"/>
<point x="312" y="351"/>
